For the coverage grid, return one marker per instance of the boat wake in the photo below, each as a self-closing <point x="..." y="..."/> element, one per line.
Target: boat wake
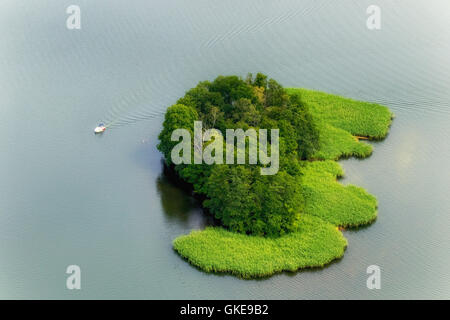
<point x="132" y="109"/>
<point x="250" y="28"/>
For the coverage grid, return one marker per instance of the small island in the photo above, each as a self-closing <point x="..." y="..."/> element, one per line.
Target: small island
<point x="292" y="219"/>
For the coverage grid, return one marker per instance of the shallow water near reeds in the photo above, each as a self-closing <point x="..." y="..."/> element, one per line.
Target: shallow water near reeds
<point x="103" y="203"/>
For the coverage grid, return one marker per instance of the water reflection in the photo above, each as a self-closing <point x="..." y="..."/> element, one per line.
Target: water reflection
<point x="178" y="202"/>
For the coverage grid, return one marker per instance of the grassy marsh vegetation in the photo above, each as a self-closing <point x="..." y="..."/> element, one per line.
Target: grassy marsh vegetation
<point x="315" y="244"/>
<point x="357" y="117"/>
<point x="344" y="206"/>
<point x="340" y="119"/>
<point x="337" y="143"/>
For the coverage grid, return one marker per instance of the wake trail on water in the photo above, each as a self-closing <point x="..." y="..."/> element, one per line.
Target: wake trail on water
<point x="131" y="109"/>
<point x="418" y="106"/>
<point x="264" y="23"/>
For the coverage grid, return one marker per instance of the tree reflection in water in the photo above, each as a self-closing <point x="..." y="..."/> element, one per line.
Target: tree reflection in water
<point x="179" y="203"/>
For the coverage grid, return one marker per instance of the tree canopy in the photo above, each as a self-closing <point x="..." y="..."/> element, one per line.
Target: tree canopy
<point x="238" y="195"/>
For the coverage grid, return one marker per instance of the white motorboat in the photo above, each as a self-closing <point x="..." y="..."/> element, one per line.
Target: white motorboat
<point x="101" y="128"/>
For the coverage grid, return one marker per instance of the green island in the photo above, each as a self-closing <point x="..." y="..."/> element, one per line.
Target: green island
<point x="290" y="220"/>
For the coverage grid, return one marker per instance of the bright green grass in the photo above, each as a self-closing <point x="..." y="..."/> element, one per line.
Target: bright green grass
<point x="316" y="244"/>
<point x="345" y="206"/>
<point x="340" y="119"/>
<point x="336" y="143"/>
<point x="357" y="117"/>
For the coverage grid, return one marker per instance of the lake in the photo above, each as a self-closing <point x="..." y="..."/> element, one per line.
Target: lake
<point x="103" y="203"/>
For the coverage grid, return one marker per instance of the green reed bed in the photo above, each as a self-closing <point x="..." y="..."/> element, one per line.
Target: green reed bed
<point x="315" y="244"/>
<point x="337" y="143"/>
<point x="340" y="119"/>
<point x="326" y="198"/>
<point x="357" y="117"/>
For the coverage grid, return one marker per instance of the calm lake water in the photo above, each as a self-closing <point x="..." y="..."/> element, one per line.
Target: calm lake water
<point x="103" y="203"/>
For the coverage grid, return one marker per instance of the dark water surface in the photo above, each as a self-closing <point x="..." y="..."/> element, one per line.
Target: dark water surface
<point x="102" y="202"/>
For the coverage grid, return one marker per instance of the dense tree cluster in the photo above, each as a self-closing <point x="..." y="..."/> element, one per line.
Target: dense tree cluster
<point x="238" y="195"/>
